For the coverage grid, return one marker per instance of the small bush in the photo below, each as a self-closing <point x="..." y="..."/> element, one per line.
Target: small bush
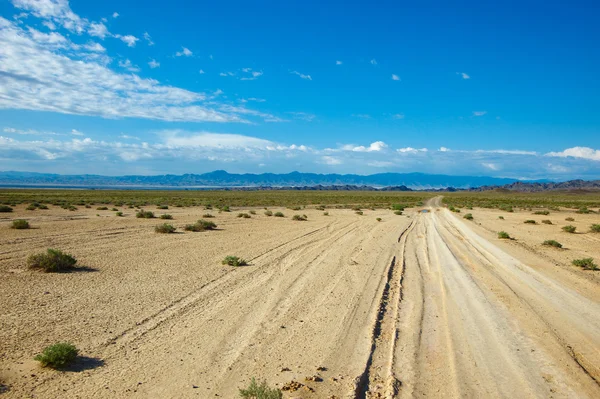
<point x="468" y="216"/>
<point x="262" y="391"/>
<point x="234" y="261"/>
<point x="279" y="215"/>
<point x="31" y="208"/>
<point x="570" y="219"/>
<point x="166" y="216"/>
<point x="142" y="214"/>
<point x="89" y="206"/>
<point x="359" y="212"/>
<point x="325" y="213"/>
<point x="200" y="225"/>
<point x="569" y="228"/>
<point x="299" y="217"/>
<point x="397" y="207"/>
<point x="225" y="209"/>
<point x="42" y="206"/>
<point x="102" y="208"/>
<point x="114" y="209"/>
<point x="583" y="210"/>
<point x="530" y="222"/>
<point x="253" y="212"/>
<point x="501" y="217"/>
<point x="162" y="207"/>
<point x="504" y="235"/>
<point x="208" y="215"/>
<point x="20" y="224"/>
<point x="378" y="219"/>
<point x="164" y="229"/>
<point x="398" y="212"/>
<point x="295" y="208"/>
<point x="320" y="208"/>
<point x="52" y="261"/>
<point x="552" y="243"/>
<point x="545" y="213"/>
<point x="546" y="221"/>
<point x="5" y="208"/>
<point x="58" y="355"/>
<point x="595" y="228"/>
<point x="268" y="213"/>
<point x="453" y="209"/>
<point x="244" y="215"/>
<point x="586" y="263"/>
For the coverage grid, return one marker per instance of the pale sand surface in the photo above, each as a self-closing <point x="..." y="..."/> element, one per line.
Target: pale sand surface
<point x="423" y="304"/>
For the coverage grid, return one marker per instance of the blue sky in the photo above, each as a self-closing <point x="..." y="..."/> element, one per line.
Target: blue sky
<point x="480" y="88"/>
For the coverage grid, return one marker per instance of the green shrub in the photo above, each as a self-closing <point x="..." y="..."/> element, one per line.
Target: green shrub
<point x="162" y="207"/>
<point x="31" y="208"/>
<point x="244" y="215"/>
<point x="142" y="214"/>
<point x="570" y="219"/>
<point x="398" y="212"/>
<point x="546" y="221"/>
<point x="359" y="212"/>
<point x="114" y="209"/>
<point x="325" y="213"/>
<point x="253" y="212"/>
<point x="119" y="214"/>
<point x="208" y="215"/>
<point x="225" y="209"/>
<point x="268" y="213"/>
<point x="166" y="216"/>
<point x="299" y="217"/>
<point x="507" y="208"/>
<point x="320" y="208"/>
<point x="72" y="208"/>
<point x="552" y="243"/>
<point x="545" y="213"/>
<point x="530" y="222"/>
<point x="42" y="206"/>
<point x="453" y="209"/>
<point x="52" y="261"/>
<point x="595" y="228"/>
<point x="586" y="263"/>
<point x="5" y="208"/>
<point x="279" y="215"/>
<point x="569" y="228"/>
<point x="501" y="217"/>
<point x="378" y="219"/>
<point x="20" y="224"/>
<point x="102" y="208"/>
<point x="468" y="216"/>
<point x="89" y="206"/>
<point x="58" y="355"/>
<point x="583" y="210"/>
<point x="295" y="208"/>
<point x="164" y="228"/>
<point x="397" y="207"/>
<point x="234" y="261"/>
<point x="262" y="391"/>
<point x="503" y="235"/>
<point x="200" y="225"/>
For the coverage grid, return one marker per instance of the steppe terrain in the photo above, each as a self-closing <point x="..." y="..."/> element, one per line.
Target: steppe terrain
<point x="423" y="304"/>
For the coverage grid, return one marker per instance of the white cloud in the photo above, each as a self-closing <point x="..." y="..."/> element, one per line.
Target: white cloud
<point x="373" y="61"/>
<point x="185" y="52"/>
<point x="479" y="113"/>
<point x="361" y="116"/>
<point x="303" y="116"/>
<point x="303" y="76"/>
<point x="490" y="165"/>
<point x="395" y="77"/>
<point x="374" y="147"/>
<point x="463" y="75"/>
<point x="154" y="64"/>
<point x="115" y="14"/>
<point x="127" y="137"/>
<point x="329" y="160"/>
<point x="57" y="11"/>
<point x="36" y="75"/>
<point x="577" y="152"/>
<point x="130" y="40"/>
<point x="49" y="24"/>
<point x="398" y="116"/>
<point x="95" y="47"/>
<point x="148" y="39"/>
<point x="76" y="132"/>
<point x="338" y="63"/>
<point x="411" y="150"/>
<point x="98" y="30"/>
<point x="201" y="72"/>
<point x="253" y="74"/>
<point x="444" y="149"/>
<point x="226" y="74"/>
<point x="129" y="66"/>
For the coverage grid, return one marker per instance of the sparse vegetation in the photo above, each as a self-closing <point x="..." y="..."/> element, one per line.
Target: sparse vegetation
<point x="583" y="210"/>
<point x="20" y="224"/>
<point x="260" y="391"/>
<point x="545" y="213"/>
<point x="268" y="213"/>
<point x="503" y="235"/>
<point x="102" y="208"/>
<point x="166" y="216"/>
<point x="453" y="209"/>
<point x="31" y="208"/>
<point x="398" y="212"/>
<point x="569" y="219"/>
<point x="468" y="216"/>
<point x="162" y="207"/>
<point x="586" y="263"/>
<point x="114" y="209"/>
<point x="569" y="228"/>
<point x="208" y="215"/>
<point x="501" y="217"/>
<point x="359" y="212"/>
<point x="397" y="207"/>
<point x="5" y="208"/>
<point x="279" y="215"/>
<point x="200" y="225"/>
<point x="530" y="221"/>
<point x="595" y="228"/>
<point x="253" y="212"/>
<point x="234" y="261"/>
<point x="300" y="217"/>
<point x="546" y="221"/>
<point x="244" y="215"/>
<point x="378" y="219"/>
<point x="58" y="355"/>
<point x="325" y="213"/>
<point x="119" y="214"/>
<point x="164" y="228"/>
<point x="142" y="214"/>
<point x="552" y="243"/>
<point x="52" y="261"/>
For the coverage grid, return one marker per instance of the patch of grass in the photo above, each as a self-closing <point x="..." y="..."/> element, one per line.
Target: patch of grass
<point x="397" y="207"/>
<point x="225" y="209"/>
<point x="58" y="355"/>
<point x="114" y="210"/>
<point x="586" y="263"/>
<point x="162" y="207"/>
<point x="583" y="210"/>
<point x="200" y="225"/>
<point x="244" y="215"/>
<point x="552" y="243"/>
<point x="546" y="221"/>
<point x="359" y="212"/>
<point x="260" y="391"/>
<point x="570" y="219"/>
<point x="234" y="261"/>
<point x="52" y="261"/>
<point x="595" y="228"/>
<point x="569" y="228"/>
<point x="299" y="217"/>
<point x="453" y="209"/>
<point x="468" y="216"/>
<point x="530" y="221"/>
<point x="142" y="214"/>
<point x="545" y="213"/>
<point x="5" y="208"/>
<point x="119" y="214"/>
<point x="164" y="228"/>
<point x="378" y="219"/>
<point x="279" y="215"/>
<point x="295" y="208"/>
<point x="20" y="224"/>
<point x="42" y="206"/>
<point x="31" y="208"/>
<point x="503" y="235"/>
<point x="102" y="208"/>
<point x="166" y="216"/>
<point x="268" y="213"/>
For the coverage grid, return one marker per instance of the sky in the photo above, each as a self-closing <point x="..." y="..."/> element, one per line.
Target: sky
<point x="506" y="89"/>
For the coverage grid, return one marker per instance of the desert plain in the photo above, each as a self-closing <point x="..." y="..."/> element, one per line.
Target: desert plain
<point x="422" y="304"/>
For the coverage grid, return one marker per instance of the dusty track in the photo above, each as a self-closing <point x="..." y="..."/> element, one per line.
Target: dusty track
<point x="417" y="306"/>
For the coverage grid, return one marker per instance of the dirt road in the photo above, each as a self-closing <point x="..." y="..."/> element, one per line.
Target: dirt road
<point x="348" y="307"/>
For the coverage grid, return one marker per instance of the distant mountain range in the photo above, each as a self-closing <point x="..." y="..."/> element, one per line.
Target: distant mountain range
<point x="296" y="180"/>
<point x="220" y="178"/>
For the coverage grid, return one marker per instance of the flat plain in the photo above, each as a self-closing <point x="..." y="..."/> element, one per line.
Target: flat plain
<point x="426" y="303"/>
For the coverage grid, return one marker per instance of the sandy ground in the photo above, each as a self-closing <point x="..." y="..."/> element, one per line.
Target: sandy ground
<point x="424" y="304"/>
